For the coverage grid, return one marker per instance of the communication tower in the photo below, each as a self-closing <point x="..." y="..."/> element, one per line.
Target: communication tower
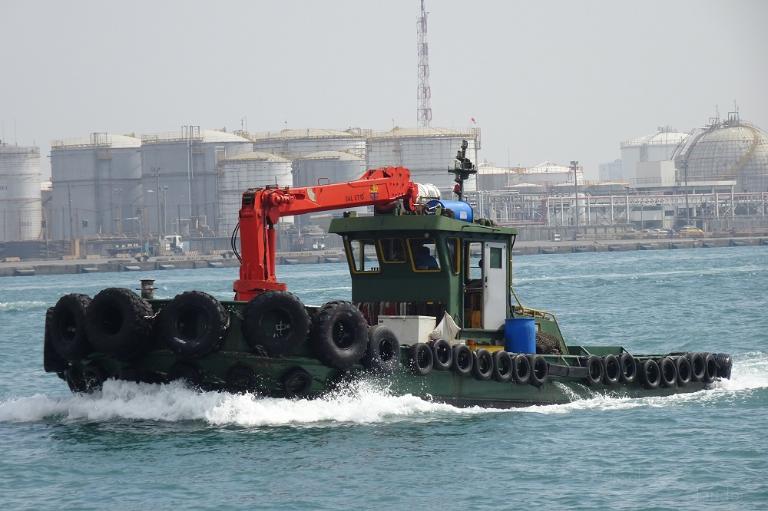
<point x="423" y="92"/>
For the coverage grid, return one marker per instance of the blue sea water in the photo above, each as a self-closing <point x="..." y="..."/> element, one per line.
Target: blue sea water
<point x="167" y="447"/>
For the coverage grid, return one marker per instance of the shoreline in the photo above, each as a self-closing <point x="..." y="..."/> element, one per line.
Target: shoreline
<point x="108" y="265"/>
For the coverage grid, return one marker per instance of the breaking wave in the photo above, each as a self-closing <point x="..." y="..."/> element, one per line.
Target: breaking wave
<point x="21" y="305"/>
<point x="363" y="402"/>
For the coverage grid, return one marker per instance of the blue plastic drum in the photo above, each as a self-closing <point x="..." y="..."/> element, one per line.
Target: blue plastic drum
<point x="520" y="335"/>
<point x="461" y="210"/>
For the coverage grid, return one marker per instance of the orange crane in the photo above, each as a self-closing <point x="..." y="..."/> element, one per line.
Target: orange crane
<point x="262" y="208"/>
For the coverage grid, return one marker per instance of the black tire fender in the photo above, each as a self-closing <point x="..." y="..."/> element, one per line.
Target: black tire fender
<point x="650" y="374"/>
<point x="502" y="366"/>
<point x="296" y="382"/>
<point x="68" y="335"/>
<point x="119" y="323"/>
<point x="668" y="372"/>
<point x="193" y="324"/>
<point x="683" y="366"/>
<point x="628" y="368"/>
<point x="711" y="368"/>
<point x="698" y="366"/>
<point x="85" y="379"/>
<point x="442" y="355"/>
<point x="421" y="359"/>
<point x="611" y="370"/>
<point x="595" y="370"/>
<point x="482" y="368"/>
<point x="463" y="361"/>
<point x="339" y="335"/>
<point x="725" y="364"/>
<point x="521" y="369"/>
<point x="275" y="321"/>
<point x="539" y="370"/>
<point x="383" y="352"/>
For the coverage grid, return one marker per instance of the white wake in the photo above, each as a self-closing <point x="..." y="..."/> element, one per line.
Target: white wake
<point x="363" y="402"/>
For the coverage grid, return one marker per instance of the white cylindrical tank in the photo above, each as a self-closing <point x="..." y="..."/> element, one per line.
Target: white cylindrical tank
<point x="659" y="146"/>
<point x="325" y="167"/>
<point x="184" y="166"/>
<point x="20" y="205"/>
<point x="428" y="153"/>
<point x="247" y="170"/>
<point x="96" y="187"/>
<point x="296" y="143"/>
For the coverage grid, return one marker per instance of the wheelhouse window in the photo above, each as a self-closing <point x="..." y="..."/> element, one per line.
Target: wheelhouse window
<point x="495" y="258"/>
<point x="424" y="256"/>
<point x="392" y="250"/>
<point x="363" y="256"/>
<point x="453" y="246"/>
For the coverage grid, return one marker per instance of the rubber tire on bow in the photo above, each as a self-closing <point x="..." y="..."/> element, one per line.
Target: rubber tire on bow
<point x="85" y="379"/>
<point x="119" y="323"/>
<point x="595" y="370"/>
<point x="383" y="352"/>
<point x="521" y="369"/>
<point x="668" y="371"/>
<point x="442" y="355"/>
<point x="296" y="382"/>
<point x="650" y="374"/>
<point x="725" y="364"/>
<point x="193" y="324"/>
<point x="339" y="335"/>
<point x="463" y="361"/>
<point x="683" y="366"/>
<point x="421" y="359"/>
<point x="539" y="370"/>
<point x="68" y="327"/>
<point x="275" y="321"/>
<point x="611" y="370"/>
<point x="628" y="368"/>
<point x="502" y="366"/>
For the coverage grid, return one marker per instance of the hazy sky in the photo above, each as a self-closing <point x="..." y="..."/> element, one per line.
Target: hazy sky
<point x="556" y="80"/>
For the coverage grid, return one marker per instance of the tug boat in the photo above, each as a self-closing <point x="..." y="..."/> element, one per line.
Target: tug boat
<point x="433" y="314"/>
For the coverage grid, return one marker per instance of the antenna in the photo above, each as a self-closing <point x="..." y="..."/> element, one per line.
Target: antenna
<point x="423" y="92"/>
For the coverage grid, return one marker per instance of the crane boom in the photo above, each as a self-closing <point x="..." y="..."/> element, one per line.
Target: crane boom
<point x="263" y="207"/>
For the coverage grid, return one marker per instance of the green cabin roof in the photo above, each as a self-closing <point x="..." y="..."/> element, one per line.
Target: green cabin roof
<point x="414" y="223"/>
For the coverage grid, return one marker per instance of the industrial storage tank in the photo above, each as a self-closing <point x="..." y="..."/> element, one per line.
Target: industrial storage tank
<point x="247" y="170"/>
<point x="658" y="146"/>
<point x="727" y="151"/>
<point x="429" y="153"/>
<point x="325" y="167"/>
<point x="96" y="187"/>
<point x="295" y="143"/>
<point x="20" y="205"/>
<point x="183" y="166"/>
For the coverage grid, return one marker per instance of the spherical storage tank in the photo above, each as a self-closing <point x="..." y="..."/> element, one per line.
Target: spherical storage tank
<point x="247" y="170"/>
<point x="726" y="151"/>
<point x="20" y="206"/>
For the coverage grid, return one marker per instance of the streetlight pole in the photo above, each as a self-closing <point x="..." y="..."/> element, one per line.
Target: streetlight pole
<point x="574" y="168"/>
